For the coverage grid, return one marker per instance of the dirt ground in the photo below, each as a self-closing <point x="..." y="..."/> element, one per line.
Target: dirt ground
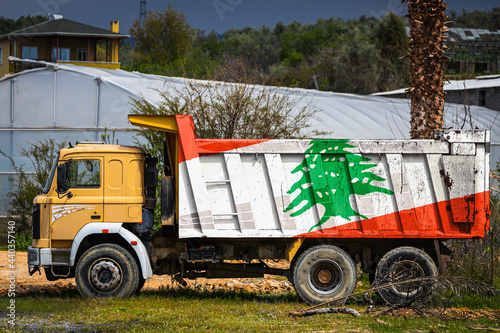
<point x="25" y="283"/>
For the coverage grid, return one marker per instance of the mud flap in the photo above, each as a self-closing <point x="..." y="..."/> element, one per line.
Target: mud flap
<point x="167" y="200"/>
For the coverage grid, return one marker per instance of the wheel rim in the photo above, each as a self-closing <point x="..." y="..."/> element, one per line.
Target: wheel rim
<point x="406" y="270"/>
<point x="325" y="277"/>
<point x="105" y="275"/>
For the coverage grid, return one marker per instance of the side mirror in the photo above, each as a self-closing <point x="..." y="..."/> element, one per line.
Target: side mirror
<point x="89" y="166"/>
<point x="61" y="177"/>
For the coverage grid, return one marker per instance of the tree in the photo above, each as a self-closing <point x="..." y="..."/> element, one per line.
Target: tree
<point x="163" y="37"/>
<point x="427" y="64"/>
<point x="228" y="110"/>
<point x="352" y="65"/>
<point x="101" y="52"/>
<point x="390" y="35"/>
<point x="330" y="174"/>
<point x="477" y="19"/>
<point x="252" y="44"/>
<point x="391" y="41"/>
<point x="8" y="25"/>
<point x="126" y="55"/>
<point x="355" y="66"/>
<point x="41" y="154"/>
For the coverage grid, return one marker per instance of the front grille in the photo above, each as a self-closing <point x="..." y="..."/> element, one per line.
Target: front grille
<point x="36" y="221"/>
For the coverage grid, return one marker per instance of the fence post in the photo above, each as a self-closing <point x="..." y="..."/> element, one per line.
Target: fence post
<point x="492" y="257"/>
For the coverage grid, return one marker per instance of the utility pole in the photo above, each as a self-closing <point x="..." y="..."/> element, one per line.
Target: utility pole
<point x="142" y="13"/>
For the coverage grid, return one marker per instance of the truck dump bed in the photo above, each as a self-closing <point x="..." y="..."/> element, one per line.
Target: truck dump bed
<point x="334" y="188"/>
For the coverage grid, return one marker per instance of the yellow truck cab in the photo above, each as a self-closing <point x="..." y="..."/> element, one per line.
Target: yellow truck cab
<point x="89" y="183"/>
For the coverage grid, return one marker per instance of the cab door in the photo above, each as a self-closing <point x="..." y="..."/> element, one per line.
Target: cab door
<point x="82" y="200"/>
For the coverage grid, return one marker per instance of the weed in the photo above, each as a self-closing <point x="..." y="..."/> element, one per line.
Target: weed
<point x="173" y="309"/>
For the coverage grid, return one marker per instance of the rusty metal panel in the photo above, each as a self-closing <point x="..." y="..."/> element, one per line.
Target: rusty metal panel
<point x="474" y="136"/>
<point x="334" y="188"/>
<point x="463" y="148"/>
<point x="460" y="183"/>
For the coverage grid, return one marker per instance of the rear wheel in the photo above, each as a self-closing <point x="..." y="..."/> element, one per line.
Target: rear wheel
<point x="402" y="264"/>
<point x="324" y="273"/>
<point x="107" y="271"/>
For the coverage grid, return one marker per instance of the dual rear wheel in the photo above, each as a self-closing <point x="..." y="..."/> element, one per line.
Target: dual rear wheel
<point x="403" y="264"/>
<point x="325" y="273"/>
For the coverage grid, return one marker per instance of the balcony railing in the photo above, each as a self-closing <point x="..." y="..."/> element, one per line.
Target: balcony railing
<point x="98" y="64"/>
<point x="17" y="65"/>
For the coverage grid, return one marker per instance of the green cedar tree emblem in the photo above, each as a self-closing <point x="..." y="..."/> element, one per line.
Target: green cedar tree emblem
<point x="330" y="174"/>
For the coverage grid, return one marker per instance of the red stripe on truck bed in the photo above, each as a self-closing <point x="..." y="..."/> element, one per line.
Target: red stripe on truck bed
<point x="191" y="147"/>
<point x="429" y="221"/>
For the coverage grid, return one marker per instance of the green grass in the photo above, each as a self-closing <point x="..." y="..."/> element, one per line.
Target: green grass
<point x="170" y="310"/>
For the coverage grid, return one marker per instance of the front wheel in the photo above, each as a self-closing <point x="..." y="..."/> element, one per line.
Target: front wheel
<point x="324" y="273"/>
<point x="107" y="271"/>
<point x="142" y="281"/>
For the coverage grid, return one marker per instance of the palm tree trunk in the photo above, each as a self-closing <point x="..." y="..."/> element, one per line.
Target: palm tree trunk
<point x="427" y="64"/>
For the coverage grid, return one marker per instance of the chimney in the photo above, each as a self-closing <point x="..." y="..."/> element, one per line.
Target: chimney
<point x="114" y="26"/>
<point x="53" y="17"/>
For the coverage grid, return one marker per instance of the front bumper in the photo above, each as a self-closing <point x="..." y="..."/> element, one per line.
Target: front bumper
<point x="38" y="258"/>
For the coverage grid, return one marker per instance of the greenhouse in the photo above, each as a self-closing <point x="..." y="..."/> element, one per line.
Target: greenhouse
<point x="75" y="103"/>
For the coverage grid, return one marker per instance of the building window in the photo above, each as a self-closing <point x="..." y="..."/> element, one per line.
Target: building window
<point x="481" y="67"/>
<point x="30" y="52"/>
<point x="453" y="67"/>
<point x="482" y="98"/>
<point x="82" y="55"/>
<point x="63" y="54"/>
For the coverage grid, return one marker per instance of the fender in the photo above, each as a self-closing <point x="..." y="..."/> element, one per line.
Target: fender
<point x="113" y="228"/>
<point x="140" y="250"/>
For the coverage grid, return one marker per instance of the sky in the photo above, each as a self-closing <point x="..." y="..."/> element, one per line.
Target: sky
<point x="219" y="15"/>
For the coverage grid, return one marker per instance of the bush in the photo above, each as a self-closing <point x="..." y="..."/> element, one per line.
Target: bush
<point x="27" y="185"/>
<point x="227" y="110"/>
<point x="478" y="259"/>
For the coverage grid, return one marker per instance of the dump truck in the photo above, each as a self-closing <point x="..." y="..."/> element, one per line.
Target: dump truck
<point x="327" y="206"/>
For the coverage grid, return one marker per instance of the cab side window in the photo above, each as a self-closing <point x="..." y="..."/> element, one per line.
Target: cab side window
<point x="84" y="173"/>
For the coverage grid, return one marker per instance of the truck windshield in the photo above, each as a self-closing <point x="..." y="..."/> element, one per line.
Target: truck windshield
<point x="48" y="182"/>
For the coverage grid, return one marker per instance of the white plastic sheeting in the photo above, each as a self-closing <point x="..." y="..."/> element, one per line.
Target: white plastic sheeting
<point x="73" y="103"/>
<point x="480" y="82"/>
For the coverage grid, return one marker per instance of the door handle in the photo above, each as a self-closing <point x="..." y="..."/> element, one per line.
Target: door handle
<point x="95" y="217"/>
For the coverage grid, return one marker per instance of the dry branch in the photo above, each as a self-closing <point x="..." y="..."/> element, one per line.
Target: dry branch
<point x="434" y="283"/>
<point x="306" y="313"/>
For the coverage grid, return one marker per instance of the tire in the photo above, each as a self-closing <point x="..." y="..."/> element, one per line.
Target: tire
<point x="323" y="273"/>
<point x="107" y="271"/>
<point x="371" y="273"/>
<point x="142" y="281"/>
<point x="400" y="264"/>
